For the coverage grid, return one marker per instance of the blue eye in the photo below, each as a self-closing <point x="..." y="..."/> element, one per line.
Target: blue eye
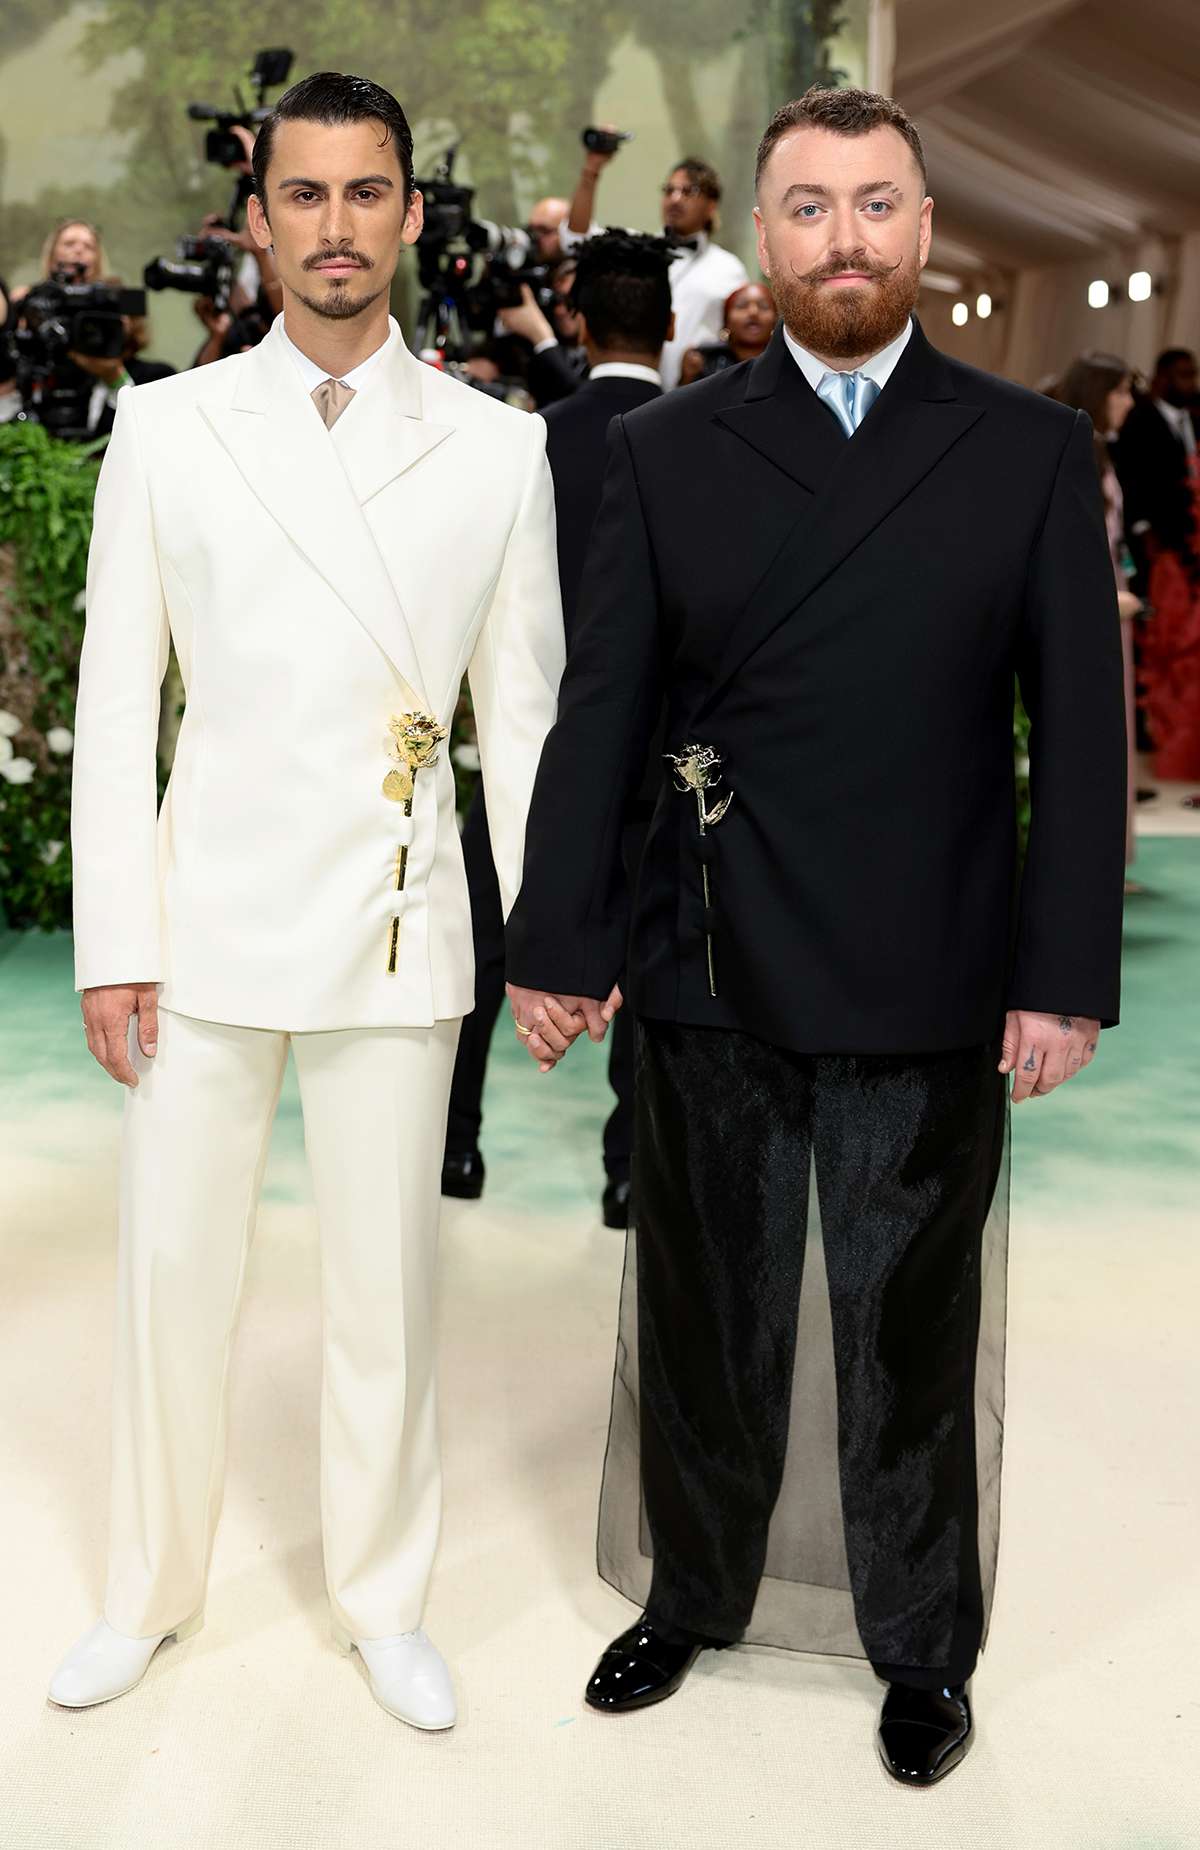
<point x="883" y="204"/>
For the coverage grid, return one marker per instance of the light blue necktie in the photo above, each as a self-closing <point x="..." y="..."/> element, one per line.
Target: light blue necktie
<point x="849" y="396"/>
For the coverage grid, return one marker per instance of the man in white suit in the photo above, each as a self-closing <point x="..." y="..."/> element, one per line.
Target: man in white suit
<point x="332" y="534"/>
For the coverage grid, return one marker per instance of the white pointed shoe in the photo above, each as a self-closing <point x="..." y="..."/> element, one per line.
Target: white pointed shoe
<point x="408" y="1676"/>
<point x="105" y="1664"/>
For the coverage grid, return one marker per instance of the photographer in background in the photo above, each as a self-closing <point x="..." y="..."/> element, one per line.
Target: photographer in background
<point x="702" y="275"/>
<point x="75" y="247"/>
<point x="110" y="376"/>
<point x="83" y="385"/>
<point x="748" y="323"/>
<point x="257" y="293"/>
<point x="545" y="224"/>
<point x="558" y="364"/>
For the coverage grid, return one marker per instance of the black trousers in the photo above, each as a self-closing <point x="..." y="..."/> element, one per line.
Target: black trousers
<point x="470" y="1067"/>
<point x="907" y="1152"/>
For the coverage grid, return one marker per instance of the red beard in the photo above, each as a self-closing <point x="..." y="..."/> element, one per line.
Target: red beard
<point x="849" y="321"/>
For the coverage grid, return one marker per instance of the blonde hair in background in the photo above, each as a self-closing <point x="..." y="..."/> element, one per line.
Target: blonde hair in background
<point x="103" y="267"/>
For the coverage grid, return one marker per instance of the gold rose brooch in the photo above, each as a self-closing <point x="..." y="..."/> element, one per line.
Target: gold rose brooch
<point x="415" y="741"/>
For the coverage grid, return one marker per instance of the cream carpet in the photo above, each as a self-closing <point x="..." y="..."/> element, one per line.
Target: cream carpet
<point x="256" y="1734"/>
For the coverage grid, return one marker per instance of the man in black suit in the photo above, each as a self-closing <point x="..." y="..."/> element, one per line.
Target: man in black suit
<point x="834" y="562"/>
<point x="622" y="296"/>
<point x="1153" y="456"/>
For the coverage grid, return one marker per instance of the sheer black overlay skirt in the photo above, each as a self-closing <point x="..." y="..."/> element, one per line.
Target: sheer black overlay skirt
<point x="807" y="1416"/>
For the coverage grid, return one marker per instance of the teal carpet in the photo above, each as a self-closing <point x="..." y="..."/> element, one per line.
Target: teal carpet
<point x="1129" y="1130"/>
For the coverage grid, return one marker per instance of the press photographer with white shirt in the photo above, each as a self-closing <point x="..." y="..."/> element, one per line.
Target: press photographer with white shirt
<point x="702" y="274"/>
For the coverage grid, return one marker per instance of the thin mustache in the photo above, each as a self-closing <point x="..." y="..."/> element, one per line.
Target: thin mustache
<point x="314" y="263"/>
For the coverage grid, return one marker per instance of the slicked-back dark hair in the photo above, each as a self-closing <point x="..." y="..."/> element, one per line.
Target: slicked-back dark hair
<point x="843" y="112"/>
<point x="623" y="287"/>
<point x="332" y="99"/>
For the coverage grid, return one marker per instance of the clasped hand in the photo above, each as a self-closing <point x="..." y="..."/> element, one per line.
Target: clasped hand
<point x="548" y="1024"/>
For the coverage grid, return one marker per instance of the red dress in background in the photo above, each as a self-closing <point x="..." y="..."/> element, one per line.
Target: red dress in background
<point x="1170" y="667"/>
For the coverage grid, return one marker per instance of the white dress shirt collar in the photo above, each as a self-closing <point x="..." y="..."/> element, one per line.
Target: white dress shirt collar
<point x="312" y="374"/>
<point x="622" y="369"/>
<point x="879" y="367"/>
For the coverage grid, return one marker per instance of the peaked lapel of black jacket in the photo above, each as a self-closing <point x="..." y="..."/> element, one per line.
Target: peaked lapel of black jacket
<point x="783" y="419"/>
<point x="915" y="420"/>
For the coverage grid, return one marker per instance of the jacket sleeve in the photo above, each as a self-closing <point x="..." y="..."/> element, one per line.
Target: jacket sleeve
<point x="568" y="930"/>
<point x="114" y="798"/>
<point x="1068" y="948"/>
<point x="516" y="666"/>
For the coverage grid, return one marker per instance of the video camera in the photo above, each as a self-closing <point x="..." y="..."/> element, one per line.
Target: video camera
<point x="203" y="266"/>
<point x="59" y="317"/>
<point x="206" y="265"/>
<point x="605" y="140"/>
<point x="221" y="146"/>
<point x="469" y="268"/>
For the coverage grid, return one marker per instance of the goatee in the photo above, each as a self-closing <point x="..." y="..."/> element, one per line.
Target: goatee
<point x="339" y="305"/>
<point x="851" y="320"/>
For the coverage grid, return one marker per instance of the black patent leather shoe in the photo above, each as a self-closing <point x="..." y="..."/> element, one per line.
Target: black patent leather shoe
<point x="924" y="1733"/>
<point x="463" y="1175"/>
<point x="639" y="1668"/>
<point x="615" y="1204"/>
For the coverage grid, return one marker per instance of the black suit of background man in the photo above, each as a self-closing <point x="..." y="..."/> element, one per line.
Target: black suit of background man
<point x="843" y="621"/>
<point x="626" y="307"/>
<point x="1152" y="457"/>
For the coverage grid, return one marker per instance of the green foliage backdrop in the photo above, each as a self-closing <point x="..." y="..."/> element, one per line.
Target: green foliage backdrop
<point x="46" y="494"/>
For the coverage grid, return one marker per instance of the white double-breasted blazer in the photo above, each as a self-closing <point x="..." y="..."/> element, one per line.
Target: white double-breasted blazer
<point x="316" y="584"/>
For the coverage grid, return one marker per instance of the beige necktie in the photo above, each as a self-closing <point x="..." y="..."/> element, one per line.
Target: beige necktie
<point x="331" y="398"/>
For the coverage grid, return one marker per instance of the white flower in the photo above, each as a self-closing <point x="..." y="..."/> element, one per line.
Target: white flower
<point x="60" y="739"/>
<point x="10" y="725"/>
<point x="51" y="851"/>
<point x="80" y="602"/>
<point x="17" y="770"/>
<point x="467" y="756"/>
<point x="6" y="749"/>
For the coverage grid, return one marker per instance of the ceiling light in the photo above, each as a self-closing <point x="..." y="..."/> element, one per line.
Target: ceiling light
<point x="983" y="306"/>
<point x="960" y="314"/>
<point x="1141" y="286"/>
<point x="1098" y="293"/>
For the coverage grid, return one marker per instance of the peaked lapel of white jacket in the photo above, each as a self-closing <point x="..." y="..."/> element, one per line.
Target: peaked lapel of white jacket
<point x="314" y="486"/>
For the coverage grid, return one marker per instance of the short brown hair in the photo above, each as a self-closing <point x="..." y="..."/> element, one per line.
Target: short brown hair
<point x="844" y="112"/>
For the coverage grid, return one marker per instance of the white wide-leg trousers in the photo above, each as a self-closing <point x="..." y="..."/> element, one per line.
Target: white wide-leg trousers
<point x="193" y="1151"/>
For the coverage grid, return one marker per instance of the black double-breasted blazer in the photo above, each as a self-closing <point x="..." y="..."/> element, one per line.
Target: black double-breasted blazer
<point x="844" y="621"/>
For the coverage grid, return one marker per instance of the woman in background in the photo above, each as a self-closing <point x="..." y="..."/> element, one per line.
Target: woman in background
<point x="75" y="248"/>
<point x="749" y="321"/>
<point x="1102" y="385"/>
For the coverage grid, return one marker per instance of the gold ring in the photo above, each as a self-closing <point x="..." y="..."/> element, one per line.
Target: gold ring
<point x="526" y="1032"/>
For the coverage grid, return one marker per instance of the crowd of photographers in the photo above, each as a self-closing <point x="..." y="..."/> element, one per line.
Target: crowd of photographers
<point x="498" y="304"/>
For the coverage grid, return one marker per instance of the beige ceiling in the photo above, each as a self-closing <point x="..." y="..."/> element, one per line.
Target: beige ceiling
<point x="1053" y="127"/>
